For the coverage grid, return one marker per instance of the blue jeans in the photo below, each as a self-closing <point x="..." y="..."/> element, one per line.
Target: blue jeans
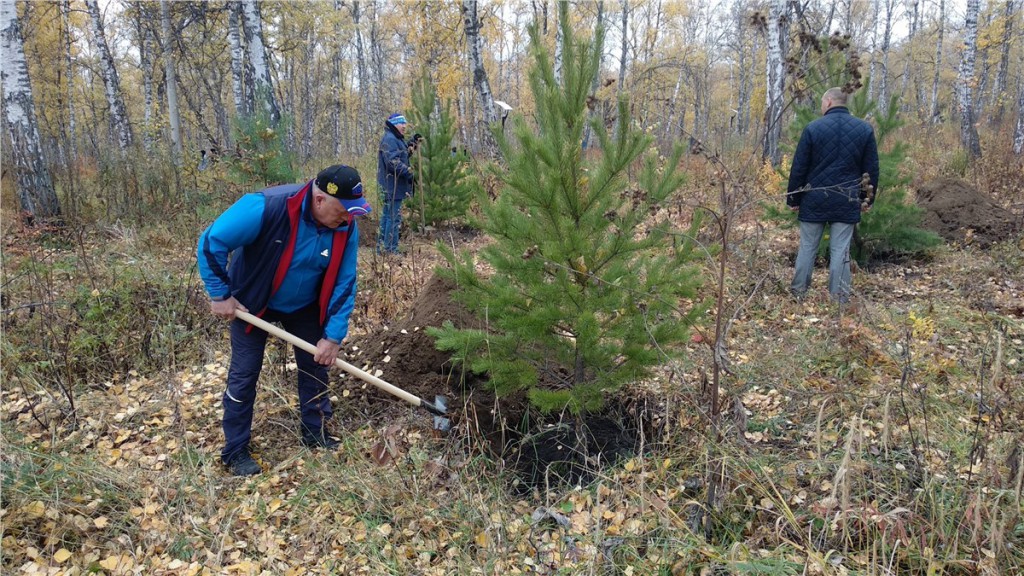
<point x="247" y="348"/>
<point x="840" y="235"/>
<point x="390" y="222"/>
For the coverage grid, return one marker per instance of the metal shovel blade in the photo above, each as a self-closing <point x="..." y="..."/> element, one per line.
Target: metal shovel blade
<point x="441" y="423"/>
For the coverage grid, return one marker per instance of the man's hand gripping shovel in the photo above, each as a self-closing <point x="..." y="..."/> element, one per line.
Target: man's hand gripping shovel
<point x="439" y="408"/>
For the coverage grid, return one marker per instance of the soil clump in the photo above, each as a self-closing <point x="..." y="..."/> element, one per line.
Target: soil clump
<point x="960" y="213"/>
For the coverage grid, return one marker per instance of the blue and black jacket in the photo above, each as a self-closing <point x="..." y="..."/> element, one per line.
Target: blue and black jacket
<point x="394" y="174"/>
<point x="281" y="258"/>
<point x="834" y="152"/>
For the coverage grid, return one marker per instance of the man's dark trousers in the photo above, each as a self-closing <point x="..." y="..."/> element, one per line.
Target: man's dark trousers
<point x="247" y="348"/>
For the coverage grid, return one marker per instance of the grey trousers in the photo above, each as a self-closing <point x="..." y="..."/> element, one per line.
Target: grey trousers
<point x="840" y="235"/>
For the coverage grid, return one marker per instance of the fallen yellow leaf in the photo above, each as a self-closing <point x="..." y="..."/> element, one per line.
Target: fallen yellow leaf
<point x="61" y="555"/>
<point x="101" y="522"/>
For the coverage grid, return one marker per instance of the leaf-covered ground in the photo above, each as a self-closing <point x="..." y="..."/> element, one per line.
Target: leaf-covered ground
<point x="882" y="438"/>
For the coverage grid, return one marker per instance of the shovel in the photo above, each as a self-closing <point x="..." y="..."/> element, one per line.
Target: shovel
<point x="439" y="408"/>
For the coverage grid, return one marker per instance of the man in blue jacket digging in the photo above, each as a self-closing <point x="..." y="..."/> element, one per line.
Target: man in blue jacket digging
<point x="834" y="153"/>
<point x="293" y="261"/>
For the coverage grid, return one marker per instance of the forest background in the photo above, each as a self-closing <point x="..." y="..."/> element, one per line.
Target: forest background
<point x="129" y="125"/>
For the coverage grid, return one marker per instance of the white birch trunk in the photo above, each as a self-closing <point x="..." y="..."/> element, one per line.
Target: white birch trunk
<point x="111" y="82"/>
<point x="242" y="107"/>
<point x="938" y="63"/>
<point x="999" y="90"/>
<point x="913" y="17"/>
<point x="559" y="40"/>
<point x="34" y="187"/>
<point x="65" y="13"/>
<point x="339" y="79"/>
<point x="1018" y="133"/>
<point x="883" y="71"/>
<point x="968" y="130"/>
<point x="364" y="77"/>
<point x="146" y="63"/>
<point x="594" y="110"/>
<point x="624" y="53"/>
<point x="778" y="16"/>
<point x="873" y="68"/>
<point x="471" y="24"/>
<point x="264" y="82"/>
<point x="172" y="81"/>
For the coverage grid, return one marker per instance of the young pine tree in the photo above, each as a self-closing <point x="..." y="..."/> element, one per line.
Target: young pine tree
<point x="262" y="158"/>
<point x="586" y="289"/>
<point x="444" y="185"/>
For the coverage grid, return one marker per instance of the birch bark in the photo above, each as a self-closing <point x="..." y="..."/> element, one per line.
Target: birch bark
<point x="965" y="88"/>
<point x="33" y="184"/>
<point x="112" y="84"/>
<point x="264" y="83"/>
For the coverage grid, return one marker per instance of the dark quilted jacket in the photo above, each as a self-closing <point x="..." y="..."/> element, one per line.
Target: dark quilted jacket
<point x="834" y="151"/>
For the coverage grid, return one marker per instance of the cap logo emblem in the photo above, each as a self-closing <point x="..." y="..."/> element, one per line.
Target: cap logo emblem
<point x="332" y="188"/>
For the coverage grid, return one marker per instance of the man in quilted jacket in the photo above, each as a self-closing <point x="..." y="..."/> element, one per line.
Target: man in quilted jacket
<point x="834" y="153"/>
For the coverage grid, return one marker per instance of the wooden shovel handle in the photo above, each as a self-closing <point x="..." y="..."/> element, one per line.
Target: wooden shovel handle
<point x="299" y="342"/>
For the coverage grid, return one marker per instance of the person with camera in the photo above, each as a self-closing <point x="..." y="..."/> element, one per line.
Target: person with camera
<point x="395" y="178"/>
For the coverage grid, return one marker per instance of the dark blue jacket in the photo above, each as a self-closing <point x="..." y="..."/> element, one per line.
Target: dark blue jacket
<point x="834" y="152"/>
<point x="394" y="175"/>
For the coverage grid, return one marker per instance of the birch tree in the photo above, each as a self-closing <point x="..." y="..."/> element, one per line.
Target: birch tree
<point x="1002" y="74"/>
<point x="33" y="184"/>
<point x="172" y="83"/>
<point x="624" y="51"/>
<point x="242" y="104"/>
<point x="474" y="43"/>
<point x="339" y="80"/>
<point x="965" y="84"/>
<point x="118" y="113"/>
<point x="1018" y="133"/>
<point x="883" y="72"/>
<point x="778" y="32"/>
<point x="69" y="133"/>
<point x="363" y="73"/>
<point x="934" y="114"/>
<point x="263" y="81"/>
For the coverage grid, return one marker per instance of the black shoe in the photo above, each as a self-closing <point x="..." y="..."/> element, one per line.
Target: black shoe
<point x="244" y="465"/>
<point x="319" y="439"/>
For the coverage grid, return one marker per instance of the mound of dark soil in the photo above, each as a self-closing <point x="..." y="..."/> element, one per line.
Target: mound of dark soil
<point x="542" y="450"/>
<point x="958" y="212"/>
<point x="405" y="353"/>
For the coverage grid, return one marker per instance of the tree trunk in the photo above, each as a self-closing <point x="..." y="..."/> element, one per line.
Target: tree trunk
<point x="913" y="15"/>
<point x="146" y="49"/>
<point x="243" y="105"/>
<point x="883" y="80"/>
<point x="778" y="31"/>
<point x="968" y="130"/>
<point x="34" y="187"/>
<point x="559" y="40"/>
<point x="381" y="82"/>
<point x="598" y="25"/>
<point x="172" y="82"/>
<point x="264" y="82"/>
<point x="999" y="91"/>
<point x="934" y="114"/>
<point x="118" y="113"/>
<point x="1018" y="133"/>
<point x="745" y="70"/>
<point x="624" y="52"/>
<point x="366" y="121"/>
<point x="873" y="68"/>
<point x="69" y="134"/>
<point x="339" y="78"/>
<point x="474" y="43"/>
